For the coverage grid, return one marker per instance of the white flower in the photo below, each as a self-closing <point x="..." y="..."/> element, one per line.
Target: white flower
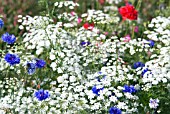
<point x="153" y="103"/>
<point x="60" y="79"/>
<point x="52" y="56"/>
<point x="72" y="78"/>
<point x="113" y="99"/>
<point x="53" y="65"/>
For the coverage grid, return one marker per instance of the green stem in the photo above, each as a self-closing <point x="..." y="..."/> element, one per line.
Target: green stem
<point x="138" y="5"/>
<point x="133" y="28"/>
<point x="47" y="7"/>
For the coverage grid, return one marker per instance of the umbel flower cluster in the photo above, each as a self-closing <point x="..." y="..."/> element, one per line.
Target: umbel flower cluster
<point x="78" y="65"/>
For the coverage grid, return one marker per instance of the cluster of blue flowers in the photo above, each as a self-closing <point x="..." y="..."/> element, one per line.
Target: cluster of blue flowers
<point x="12" y="59"/>
<point x="42" y="94"/>
<point x="37" y="63"/>
<point x="129" y="89"/>
<point x="9" y="39"/>
<point x="115" y="110"/>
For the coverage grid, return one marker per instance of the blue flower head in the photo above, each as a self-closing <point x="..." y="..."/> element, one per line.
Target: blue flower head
<point x="129" y="89"/>
<point x="1" y="23"/>
<point x="31" y="68"/>
<point x="42" y="94"/>
<point x="95" y="90"/>
<point x="144" y="71"/>
<point x="40" y="63"/>
<point x="115" y="110"/>
<point x="10" y="39"/>
<point x="12" y="59"/>
<point x="138" y="64"/>
<point x="83" y="43"/>
<point x="151" y="43"/>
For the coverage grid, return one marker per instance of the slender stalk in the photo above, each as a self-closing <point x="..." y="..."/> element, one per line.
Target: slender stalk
<point x="47" y="7"/>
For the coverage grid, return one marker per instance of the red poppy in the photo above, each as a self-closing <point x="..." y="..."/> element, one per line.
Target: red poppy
<point x="88" y="26"/>
<point x="128" y="12"/>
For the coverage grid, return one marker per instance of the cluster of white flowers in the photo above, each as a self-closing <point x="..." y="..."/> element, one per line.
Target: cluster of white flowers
<point x="91" y="73"/>
<point x="113" y="1"/>
<point x="159" y="67"/>
<point x="69" y="4"/>
<point x="97" y="16"/>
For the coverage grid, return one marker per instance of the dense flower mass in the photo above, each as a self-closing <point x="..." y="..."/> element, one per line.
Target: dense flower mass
<point x="115" y="110"/>
<point x="10" y="39"/>
<point x="1" y="23"/>
<point x="42" y="94"/>
<point x="128" y="12"/>
<point x="129" y="89"/>
<point x="87" y="63"/>
<point x="12" y="59"/>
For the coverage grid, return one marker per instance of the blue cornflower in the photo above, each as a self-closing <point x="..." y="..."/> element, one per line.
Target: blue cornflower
<point x="138" y="64"/>
<point x="1" y="23"/>
<point x="10" y="39"/>
<point x="151" y="43"/>
<point x="40" y="63"/>
<point x="144" y="71"/>
<point x="12" y="59"/>
<point x="115" y="110"/>
<point x="95" y="90"/>
<point x="83" y="43"/>
<point x="42" y="94"/>
<point x="129" y="89"/>
<point x="31" y="68"/>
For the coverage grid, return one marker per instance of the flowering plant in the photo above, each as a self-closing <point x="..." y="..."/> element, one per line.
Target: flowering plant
<point x="89" y="63"/>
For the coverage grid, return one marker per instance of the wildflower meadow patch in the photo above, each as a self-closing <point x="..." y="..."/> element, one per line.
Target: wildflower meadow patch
<point x="87" y="57"/>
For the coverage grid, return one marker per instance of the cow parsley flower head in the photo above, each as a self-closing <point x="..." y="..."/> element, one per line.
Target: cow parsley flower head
<point x="12" y="59"/>
<point x="115" y="110"/>
<point x="10" y="39"/>
<point x="153" y="103"/>
<point x="1" y="23"/>
<point x="42" y="94"/>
